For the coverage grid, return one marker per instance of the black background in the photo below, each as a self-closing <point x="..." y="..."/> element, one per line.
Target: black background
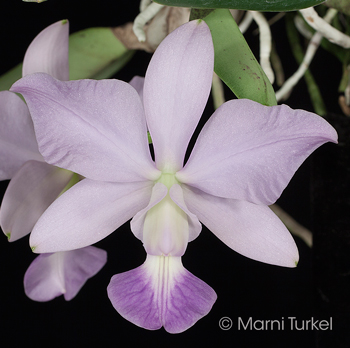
<point x="245" y="288"/>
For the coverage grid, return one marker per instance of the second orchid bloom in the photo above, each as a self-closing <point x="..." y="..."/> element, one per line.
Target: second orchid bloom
<point x="34" y="183"/>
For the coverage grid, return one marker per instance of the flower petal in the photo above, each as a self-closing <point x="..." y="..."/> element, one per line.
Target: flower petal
<point x="248" y="151"/>
<point x="177" y="86"/>
<point x="51" y="275"/>
<point x="93" y="128"/>
<point x="159" y="293"/>
<point x="17" y="138"/>
<point x="250" y="229"/>
<point x="48" y="52"/>
<point x="30" y="192"/>
<point x="137" y="82"/>
<point x="87" y="213"/>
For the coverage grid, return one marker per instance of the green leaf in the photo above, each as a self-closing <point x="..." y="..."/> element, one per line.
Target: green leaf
<point x="197" y="13"/>
<point x="253" y="5"/>
<point x="93" y="53"/>
<point x="10" y="77"/>
<point x="96" y="53"/>
<point x="235" y="63"/>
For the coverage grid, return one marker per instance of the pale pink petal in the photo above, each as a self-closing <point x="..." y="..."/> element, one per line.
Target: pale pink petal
<point x="250" y="229"/>
<point x="93" y="128"/>
<point x="159" y="293"/>
<point x="177" y="86"/>
<point x="43" y="280"/>
<point x="30" y="192"/>
<point x="87" y="213"/>
<point x="62" y="273"/>
<point x="17" y="138"/>
<point x="137" y="82"/>
<point x="48" y="52"/>
<point x="250" y="152"/>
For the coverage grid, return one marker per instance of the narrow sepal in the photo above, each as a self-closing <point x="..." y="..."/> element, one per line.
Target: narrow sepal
<point x="87" y="213"/>
<point x="176" y="90"/>
<point x="250" y="229"/>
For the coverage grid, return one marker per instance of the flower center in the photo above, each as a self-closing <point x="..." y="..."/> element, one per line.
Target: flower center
<point x="165" y="230"/>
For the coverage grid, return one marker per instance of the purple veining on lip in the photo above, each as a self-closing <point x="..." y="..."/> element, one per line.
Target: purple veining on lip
<point x="161" y="292"/>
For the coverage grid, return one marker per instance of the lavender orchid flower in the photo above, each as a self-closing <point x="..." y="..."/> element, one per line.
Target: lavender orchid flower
<point x="243" y="159"/>
<point x="62" y="273"/>
<point x="34" y="183"/>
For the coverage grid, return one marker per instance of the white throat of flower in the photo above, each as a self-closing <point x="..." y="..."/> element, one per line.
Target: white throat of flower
<point x="166" y="230"/>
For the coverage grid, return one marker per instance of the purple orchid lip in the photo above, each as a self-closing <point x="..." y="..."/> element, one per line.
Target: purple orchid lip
<point x="161" y="292"/>
<point x="243" y="159"/>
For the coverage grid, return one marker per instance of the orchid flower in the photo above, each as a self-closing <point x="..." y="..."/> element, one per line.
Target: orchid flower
<point x="243" y="159"/>
<point x="62" y="273"/>
<point x="34" y="183"/>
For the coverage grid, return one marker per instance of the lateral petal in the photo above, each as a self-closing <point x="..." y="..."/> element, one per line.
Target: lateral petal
<point x="250" y="229"/>
<point x="48" y="52"/>
<point x="159" y="293"/>
<point x="93" y="128"/>
<point x="250" y="152"/>
<point x="87" y="213"/>
<point x="30" y="192"/>
<point x="62" y="273"/>
<point x="17" y="138"/>
<point x="176" y="90"/>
